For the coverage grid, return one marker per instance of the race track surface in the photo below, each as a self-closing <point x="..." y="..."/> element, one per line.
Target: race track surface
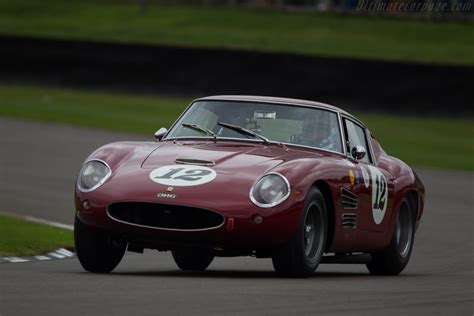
<point x="38" y="165"/>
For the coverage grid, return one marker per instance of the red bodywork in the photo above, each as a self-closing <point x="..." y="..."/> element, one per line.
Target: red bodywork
<point x="239" y="164"/>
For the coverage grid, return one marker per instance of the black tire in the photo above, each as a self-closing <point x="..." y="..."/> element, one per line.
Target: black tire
<point x="98" y="251"/>
<point x="192" y="259"/>
<point x="302" y="255"/>
<point x="393" y="259"/>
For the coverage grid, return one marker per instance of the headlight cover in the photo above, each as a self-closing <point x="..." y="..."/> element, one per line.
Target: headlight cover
<point x="270" y="190"/>
<point x="93" y="174"/>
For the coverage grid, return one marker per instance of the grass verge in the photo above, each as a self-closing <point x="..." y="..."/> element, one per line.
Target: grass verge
<point x="22" y="238"/>
<point x="425" y="142"/>
<point x="274" y="31"/>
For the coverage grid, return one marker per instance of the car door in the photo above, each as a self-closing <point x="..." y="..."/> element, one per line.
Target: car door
<point x="370" y="184"/>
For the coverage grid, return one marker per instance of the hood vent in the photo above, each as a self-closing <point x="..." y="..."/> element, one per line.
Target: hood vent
<point x="197" y="162"/>
<point x="349" y="220"/>
<point x="349" y="199"/>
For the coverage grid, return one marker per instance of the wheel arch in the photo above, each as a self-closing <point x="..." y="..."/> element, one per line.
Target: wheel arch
<point x="413" y="198"/>
<point x="331" y="211"/>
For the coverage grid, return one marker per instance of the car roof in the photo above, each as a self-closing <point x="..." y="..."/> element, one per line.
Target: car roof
<point x="266" y="99"/>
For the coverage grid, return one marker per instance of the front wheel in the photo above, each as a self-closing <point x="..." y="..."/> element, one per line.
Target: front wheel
<point x="393" y="259"/>
<point x="191" y="259"/>
<point x="98" y="251"/>
<point x="302" y="255"/>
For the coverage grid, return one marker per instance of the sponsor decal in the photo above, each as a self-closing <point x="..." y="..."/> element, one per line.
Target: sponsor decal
<point x="357" y="177"/>
<point x="365" y="176"/>
<point x="166" y="195"/>
<point x="379" y="194"/>
<point x="351" y="177"/>
<point x="182" y="175"/>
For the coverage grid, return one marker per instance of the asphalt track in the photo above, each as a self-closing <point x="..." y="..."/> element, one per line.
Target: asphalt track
<point x="38" y="164"/>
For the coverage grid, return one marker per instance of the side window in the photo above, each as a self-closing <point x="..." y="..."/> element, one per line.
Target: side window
<point x="356" y="136"/>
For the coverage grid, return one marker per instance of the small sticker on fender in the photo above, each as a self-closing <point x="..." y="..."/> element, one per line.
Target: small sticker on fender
<point x="351" y="177"/>
<point x="365" y="176"/>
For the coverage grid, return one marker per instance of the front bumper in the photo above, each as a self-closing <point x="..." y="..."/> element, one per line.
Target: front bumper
<point x="238" y="231"/>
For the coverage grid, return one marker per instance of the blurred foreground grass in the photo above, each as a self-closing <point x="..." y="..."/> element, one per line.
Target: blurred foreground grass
<point x="424" y="142"/>
<point x="264" y="30"/>
<point x="22" y="238"/>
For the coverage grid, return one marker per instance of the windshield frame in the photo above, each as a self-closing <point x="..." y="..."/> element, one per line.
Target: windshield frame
<point x="323" y="108"/>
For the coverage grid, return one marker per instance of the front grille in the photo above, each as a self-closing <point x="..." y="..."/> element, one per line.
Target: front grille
<point x="165" y="216"/>
<point x="348" y="199"/>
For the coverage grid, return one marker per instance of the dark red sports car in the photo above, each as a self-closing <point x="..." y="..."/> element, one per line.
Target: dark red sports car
<point x="297" y="181"/>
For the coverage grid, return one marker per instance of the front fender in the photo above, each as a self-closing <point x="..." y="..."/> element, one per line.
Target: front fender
<point x="303" y="173"/>
<point x="119" y="152"/>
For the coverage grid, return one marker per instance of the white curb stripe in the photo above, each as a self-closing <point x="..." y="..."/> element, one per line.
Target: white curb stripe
<point x="65" y="252"/>
<point x="57" y="255"/>
<point x="16" y="259"/>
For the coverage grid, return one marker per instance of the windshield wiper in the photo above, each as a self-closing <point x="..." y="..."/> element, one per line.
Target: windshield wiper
<point x="244" y="131"/>
<point x="200" y="129"/>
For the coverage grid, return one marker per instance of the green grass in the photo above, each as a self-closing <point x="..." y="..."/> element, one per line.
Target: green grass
<point x="22" y="238"/>
<point x="109" y="111"/>
<point x="425" y="142"/>
<point x="306" y="33"/>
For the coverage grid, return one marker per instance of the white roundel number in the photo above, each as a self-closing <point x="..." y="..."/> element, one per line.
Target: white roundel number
<point x="379" y="194"/>
<point x="182" y="175"/>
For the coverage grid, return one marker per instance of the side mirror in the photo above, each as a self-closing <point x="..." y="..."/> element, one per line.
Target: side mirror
<point x="358" y="152"/>
<point x="160" y="133"/>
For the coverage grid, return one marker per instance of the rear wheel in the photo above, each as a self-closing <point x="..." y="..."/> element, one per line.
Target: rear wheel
<point x="395" y="257"/>
<point x="98" y="251"/>
<point x="302" y="255"/>
<point x="191" y="259"/>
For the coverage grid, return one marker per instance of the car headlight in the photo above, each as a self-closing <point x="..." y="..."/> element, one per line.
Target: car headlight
<point x="270" y="190"/>
<point x="92" y="175"/>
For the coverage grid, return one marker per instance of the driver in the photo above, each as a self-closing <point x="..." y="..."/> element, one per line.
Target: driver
<point x="317" y="132"/>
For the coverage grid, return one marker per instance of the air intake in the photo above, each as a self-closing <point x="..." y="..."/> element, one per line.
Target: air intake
<point x="349" y="220"/>
<point x="349" y="199"/>
<point x="165" y="216"/>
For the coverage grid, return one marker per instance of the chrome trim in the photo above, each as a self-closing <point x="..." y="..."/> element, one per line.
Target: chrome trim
<point x="371" y="149"/>
<point x="177" y="120"/>
<point x="160" y="133"/>
<point x="281" y="200"/>
<point x="358" y="152"/>
<point x="102" y="181"/>
<point x="162" y="228"/>
<point x="341" y="131"/>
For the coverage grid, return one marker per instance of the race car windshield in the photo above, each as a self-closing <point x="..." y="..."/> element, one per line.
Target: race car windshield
<point x="288" y="124"/>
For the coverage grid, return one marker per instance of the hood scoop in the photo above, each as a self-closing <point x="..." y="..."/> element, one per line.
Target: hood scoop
<point x="197" y="162"/>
